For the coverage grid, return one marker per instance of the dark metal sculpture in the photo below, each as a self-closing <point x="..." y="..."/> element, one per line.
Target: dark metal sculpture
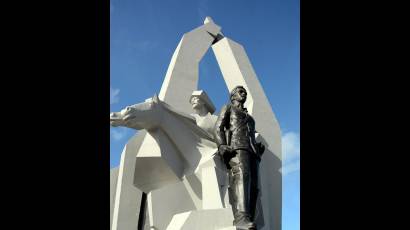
<point x="235" y="136"/>
<point x="142" y="213"/>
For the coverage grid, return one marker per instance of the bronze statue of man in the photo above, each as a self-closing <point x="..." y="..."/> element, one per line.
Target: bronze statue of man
<point x="235" y="136"/>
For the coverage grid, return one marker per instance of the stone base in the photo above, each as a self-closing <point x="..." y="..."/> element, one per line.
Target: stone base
<point x="212" y="219"/>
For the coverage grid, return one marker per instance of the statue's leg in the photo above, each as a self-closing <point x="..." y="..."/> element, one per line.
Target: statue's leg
<point x="232" y="195"/>
<point x="240" y="184"/>
<point x="254" y="187"/>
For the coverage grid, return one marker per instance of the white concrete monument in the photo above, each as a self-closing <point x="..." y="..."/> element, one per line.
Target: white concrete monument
<point x="173" y="158"/>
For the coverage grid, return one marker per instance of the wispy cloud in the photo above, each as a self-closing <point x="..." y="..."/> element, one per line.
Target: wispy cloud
<point x="291" y="146"/>
<point x="118" y="133"/>
<point x="114" y="95"/>
<point x="290" y="167"/>
<point x="290" y="153"/>
<point x="203" y="9"/>
<point x="146" y="45"/>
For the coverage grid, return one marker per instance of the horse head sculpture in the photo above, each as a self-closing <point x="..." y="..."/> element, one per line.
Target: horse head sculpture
<point x="143" y="115"/>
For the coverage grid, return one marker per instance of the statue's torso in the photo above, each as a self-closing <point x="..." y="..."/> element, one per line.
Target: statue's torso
<point x="207" y="122"/>
<point x="242" y="127"/>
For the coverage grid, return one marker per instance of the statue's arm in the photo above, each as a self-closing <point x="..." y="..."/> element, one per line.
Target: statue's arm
<point x="221" y="123"/>
<point x="259" y="145"/>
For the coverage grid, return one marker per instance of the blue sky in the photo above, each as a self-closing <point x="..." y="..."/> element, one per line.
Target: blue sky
<point x="145" y="33"/>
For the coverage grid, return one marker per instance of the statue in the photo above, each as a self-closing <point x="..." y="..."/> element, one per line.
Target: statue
<point x="235" y="137"/>
<point x="203" y="111"/>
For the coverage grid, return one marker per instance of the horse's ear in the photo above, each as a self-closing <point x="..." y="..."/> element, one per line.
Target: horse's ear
<point x="155" y="98"/>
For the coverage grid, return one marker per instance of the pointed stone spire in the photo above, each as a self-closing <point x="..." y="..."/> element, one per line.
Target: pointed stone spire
<point x="208" y="20"/>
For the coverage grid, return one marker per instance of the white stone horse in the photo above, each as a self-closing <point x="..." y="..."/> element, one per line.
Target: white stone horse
<point x="178" y="147"/>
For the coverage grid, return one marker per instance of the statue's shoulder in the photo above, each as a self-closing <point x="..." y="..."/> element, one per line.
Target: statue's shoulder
<point x="226" y="108"/>
<point x="213" y="118"/>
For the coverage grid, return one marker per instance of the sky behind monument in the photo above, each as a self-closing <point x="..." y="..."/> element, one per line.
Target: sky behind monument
<point x="145" y="33"/>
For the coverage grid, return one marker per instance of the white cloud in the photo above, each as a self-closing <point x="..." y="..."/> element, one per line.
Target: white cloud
<point x="146" y="45"/>
<point x="290" y="146"/>
<point x="290" y="153"/>
<point x="118" y="133"/>
<point x="290" y="167"/>
<point x="114" y="98"/>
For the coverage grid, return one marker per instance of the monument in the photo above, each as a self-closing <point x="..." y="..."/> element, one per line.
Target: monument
<point x="174" y="163"/>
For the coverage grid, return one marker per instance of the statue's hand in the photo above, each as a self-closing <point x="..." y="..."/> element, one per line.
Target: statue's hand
<point x="261" y="148"/>
<point x="224" y="150"/>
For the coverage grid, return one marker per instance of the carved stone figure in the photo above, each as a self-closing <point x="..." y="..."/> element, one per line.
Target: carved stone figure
<point x="203" y="111"/>
<point x="181" y="143"/>
<point x="235" y="136"/>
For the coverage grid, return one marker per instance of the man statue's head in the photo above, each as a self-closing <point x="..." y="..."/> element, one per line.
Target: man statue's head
<point x="199" y="99"/>
<point x="239" y="94"/>
<point x="196" y="102"/>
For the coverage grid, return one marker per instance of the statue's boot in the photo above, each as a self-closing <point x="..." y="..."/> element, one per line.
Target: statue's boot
<point x="244" y="223"/>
